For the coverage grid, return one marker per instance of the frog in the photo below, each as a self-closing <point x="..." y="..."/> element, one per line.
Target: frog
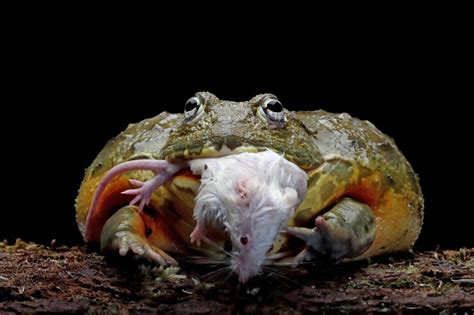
<point x="354" y="194"/>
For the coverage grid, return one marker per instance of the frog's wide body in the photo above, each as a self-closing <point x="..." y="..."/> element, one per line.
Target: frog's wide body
<point x="344" y="157"/>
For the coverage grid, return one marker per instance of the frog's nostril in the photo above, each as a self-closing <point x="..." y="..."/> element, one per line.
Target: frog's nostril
<point x="244" y="240"/>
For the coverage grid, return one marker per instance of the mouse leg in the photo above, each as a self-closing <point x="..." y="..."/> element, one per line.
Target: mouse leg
<point x="129" y="232"/>
<point x="345" y="231"/>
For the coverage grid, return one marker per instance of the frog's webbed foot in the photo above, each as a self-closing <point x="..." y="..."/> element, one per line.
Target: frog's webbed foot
<point x="345" y="231"/>
<point x="124" y="233"/>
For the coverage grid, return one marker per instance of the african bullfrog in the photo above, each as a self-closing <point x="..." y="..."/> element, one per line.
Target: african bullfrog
<point x="247" y="184"/>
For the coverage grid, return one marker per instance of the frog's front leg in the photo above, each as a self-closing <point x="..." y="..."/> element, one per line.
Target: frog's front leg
<point x="127" y="231"/>
<point x="345" y="231"/>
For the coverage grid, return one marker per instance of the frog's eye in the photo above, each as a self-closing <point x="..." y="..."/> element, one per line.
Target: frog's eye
<point x="271" y="110"/>
<point x="194" y="108"/>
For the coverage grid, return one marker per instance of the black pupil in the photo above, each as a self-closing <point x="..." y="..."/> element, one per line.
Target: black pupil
<point x="191" y="104"/>
<point x="274" y="106"/>
<point x="244" y="240"/>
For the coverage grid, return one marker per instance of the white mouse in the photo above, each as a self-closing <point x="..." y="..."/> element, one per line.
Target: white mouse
<point x="252" y="196"/>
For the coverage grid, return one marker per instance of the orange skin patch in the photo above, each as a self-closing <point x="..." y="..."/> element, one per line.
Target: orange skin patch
<point x="158" y="233"/>
<point x="110" y="201"/>
<point x="391" y="214"/>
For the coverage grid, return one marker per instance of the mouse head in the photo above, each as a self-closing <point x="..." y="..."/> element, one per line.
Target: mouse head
<point x="254" y="228"/>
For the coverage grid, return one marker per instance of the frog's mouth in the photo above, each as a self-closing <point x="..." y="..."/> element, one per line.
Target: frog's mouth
<point x="231" y="145"/>
<point x="208" y="150"/>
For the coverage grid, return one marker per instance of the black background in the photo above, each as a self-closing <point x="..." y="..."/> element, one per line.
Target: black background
<point x="68" y="92"/>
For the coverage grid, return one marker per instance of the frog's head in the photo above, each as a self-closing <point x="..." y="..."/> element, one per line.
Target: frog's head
<point x="213" y="127"/>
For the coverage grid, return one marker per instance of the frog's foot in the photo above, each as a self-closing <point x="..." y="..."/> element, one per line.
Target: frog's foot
<point x="345" y="231"/>
<point x="163" y="170"/>
<point x="124" y="233"/>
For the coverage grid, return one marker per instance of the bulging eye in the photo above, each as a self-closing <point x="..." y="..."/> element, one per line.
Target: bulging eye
<point x="274" y="106"/>
<point x="271" y="110"/>
<point x="191" y="105"/>
<point x="194" y="108"/>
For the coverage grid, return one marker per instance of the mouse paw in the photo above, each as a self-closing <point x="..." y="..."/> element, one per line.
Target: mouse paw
<point x="198" y="234"/>
<point x="145" y="189"/>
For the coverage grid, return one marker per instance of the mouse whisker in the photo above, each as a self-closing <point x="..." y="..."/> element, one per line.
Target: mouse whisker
<point x="207" y="240"/>
<point x="225" y="272"/>
<point x="276" y="273"/>
<point x="287" y="264"/>
<point x="210" y="242"/>
<point x="282" y="254"/>
<point x="226" y="278"/>
<point x="204" y="261"/>
<point x="216" y="273"/>
<point x="202" y="250"/>
<point x="274" y="276"/>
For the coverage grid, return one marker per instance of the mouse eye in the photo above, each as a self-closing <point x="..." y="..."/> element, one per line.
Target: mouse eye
<point x="271" y="111"/>
<point x="244" y="240"/>
<point x="194" y="108"/>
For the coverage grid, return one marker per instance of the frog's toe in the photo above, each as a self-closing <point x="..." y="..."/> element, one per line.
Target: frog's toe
<point x="345" y="231"/>
<point x="130" y="243"/>
<point x="310" y="236"/>
<point x="124" y="233"/>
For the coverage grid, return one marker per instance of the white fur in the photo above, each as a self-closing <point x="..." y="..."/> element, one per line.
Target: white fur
<point x="251" y="195"/>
